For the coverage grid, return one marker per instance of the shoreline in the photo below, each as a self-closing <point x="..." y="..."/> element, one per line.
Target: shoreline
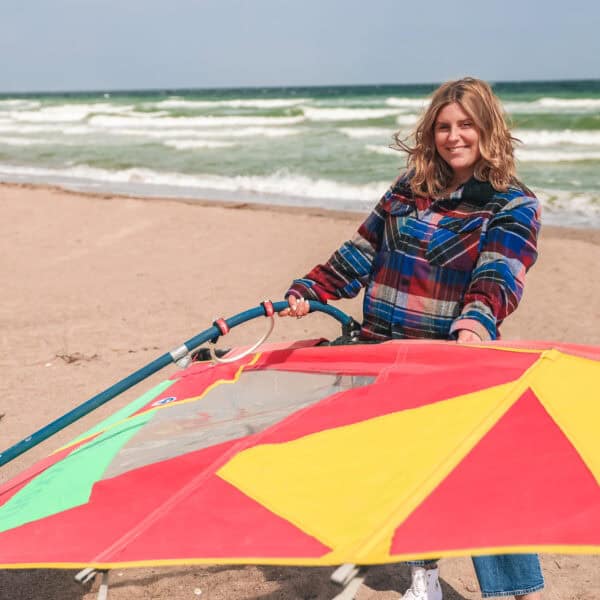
<point x="590" y="234"/>
<point x="201" y="202"/>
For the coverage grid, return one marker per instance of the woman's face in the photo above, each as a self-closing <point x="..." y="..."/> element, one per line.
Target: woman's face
<point x="457" y="140"/>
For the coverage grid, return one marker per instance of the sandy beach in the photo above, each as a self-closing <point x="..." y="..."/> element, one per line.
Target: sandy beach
<point x="96" y="286"/>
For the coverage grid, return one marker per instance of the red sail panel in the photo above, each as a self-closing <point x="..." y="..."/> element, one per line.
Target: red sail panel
<point x="122" y="509"/>
<point x="523" y="484"/>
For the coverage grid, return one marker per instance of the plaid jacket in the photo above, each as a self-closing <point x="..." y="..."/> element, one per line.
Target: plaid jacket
<point x="431" y="268"/>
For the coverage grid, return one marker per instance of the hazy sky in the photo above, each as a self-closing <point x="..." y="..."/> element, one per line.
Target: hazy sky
<point x="131" y="44"/>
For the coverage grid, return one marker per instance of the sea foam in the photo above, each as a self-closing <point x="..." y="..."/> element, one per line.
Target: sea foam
<point x="560" y="207"/>
<point x="16" y="103"/>
<point x="366" y="132"/>
<point x="346" y="114"/>
<point x="25" y="128"/>
<point x="416" y="104"/>
<point x="579" y="103"/>
<point x="407" y="120"/>
<point x="243" y="132"/>
<point x="197" y="144"/>
<point x="17" y="141"/>
<point x="385" y="150"/>
<point x="264" y="103"/>
<point x="280" y="183"/>
<point x="552" y="105"/>
<point x="67" y="112"/>
<point x="555" y="156"/>
<point x="554" y="137"/>
<point x="179" y="122"/>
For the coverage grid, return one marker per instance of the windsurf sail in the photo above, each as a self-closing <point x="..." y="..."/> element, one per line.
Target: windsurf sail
<point x="302" y="454"/>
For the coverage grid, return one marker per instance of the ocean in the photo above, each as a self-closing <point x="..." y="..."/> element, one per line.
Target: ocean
<point x="302" y="146"/>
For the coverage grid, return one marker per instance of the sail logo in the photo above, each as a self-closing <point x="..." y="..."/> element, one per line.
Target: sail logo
<point x="163" y="401"/>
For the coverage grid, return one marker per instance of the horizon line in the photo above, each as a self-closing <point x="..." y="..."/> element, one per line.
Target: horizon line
<point x="174" y="89"/>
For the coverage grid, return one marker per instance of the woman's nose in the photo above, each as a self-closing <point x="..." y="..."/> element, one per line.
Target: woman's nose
<point x="453" y="133"/>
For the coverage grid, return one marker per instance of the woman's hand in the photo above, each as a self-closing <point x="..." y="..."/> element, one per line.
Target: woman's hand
<point x="298" y="308"/>
<point x="465" y="336"/>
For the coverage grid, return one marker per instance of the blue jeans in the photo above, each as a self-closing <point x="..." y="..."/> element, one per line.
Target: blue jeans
<point x="505" y="574"/>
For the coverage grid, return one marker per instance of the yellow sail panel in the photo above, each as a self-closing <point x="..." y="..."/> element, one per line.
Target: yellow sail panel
<point x="351" y="486"/>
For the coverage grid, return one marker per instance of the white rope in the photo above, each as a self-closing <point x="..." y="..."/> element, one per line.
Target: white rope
<point x="230" y="359"/>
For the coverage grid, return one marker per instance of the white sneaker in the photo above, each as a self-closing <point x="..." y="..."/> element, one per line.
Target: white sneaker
<point x="425" y="584"/>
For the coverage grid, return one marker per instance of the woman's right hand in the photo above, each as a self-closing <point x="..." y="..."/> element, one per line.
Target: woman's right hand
<point x="466" y="336"/>
<point x="298" y="307"/>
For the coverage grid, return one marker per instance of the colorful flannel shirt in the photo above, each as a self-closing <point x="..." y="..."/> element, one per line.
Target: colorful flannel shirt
<point x="431" y="268"/>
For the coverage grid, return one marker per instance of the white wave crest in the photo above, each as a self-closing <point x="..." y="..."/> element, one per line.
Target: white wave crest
<point x="381" y="150"/>
<point x="555" y="156"/>
<point x="563" y="207"/>
<point x="543" y="137"/>
<point x="560" y="207"/>
<point x="407" y="120"/>
<point x="19" y="104"/>
<point x="346" y="114"/>
<point x="268" y="132"/>
<point x="277" y="184"/>
<point x="45" y="128"/>
<point x="550" y="105"/>
<point x="17" y="141"/>
<point x="418" y="104"/>
<point x="197" y="144"/>
<point x="249" y="103"/>
<point x="522" y="108"/>
<point x="366" y="132"/>
<point x="591" y="103"/>
<point x="134" y="122"/>
<point x="66" y="113"/>
<point x="79" y="130"/>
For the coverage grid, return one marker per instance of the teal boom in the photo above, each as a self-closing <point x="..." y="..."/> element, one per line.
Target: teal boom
<point x="156" y="365"/>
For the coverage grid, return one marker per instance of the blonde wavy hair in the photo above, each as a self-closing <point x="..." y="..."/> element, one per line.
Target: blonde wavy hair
<point x="430" y="174"/>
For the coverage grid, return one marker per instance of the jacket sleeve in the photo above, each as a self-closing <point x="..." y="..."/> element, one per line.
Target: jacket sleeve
<point x="509" y="249"/>
<point x="348" y="269"/>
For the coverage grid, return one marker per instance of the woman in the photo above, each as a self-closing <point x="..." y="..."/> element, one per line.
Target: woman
<point x="443" y="256"/>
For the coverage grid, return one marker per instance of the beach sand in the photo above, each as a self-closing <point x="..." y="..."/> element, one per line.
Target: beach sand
<point x="95" y="286"/>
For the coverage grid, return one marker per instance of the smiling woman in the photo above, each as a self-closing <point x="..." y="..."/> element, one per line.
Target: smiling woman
<point x="443" y="256"/>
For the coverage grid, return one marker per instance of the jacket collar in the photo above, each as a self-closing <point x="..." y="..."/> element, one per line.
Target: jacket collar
<point x="473" y="192"/>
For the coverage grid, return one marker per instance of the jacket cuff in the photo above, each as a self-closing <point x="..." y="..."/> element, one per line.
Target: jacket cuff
<point x="299" y="289"/>
<point x="473" y="325"/>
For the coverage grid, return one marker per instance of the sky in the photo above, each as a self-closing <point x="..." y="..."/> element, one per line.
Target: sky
<point x="62" y="45"/>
